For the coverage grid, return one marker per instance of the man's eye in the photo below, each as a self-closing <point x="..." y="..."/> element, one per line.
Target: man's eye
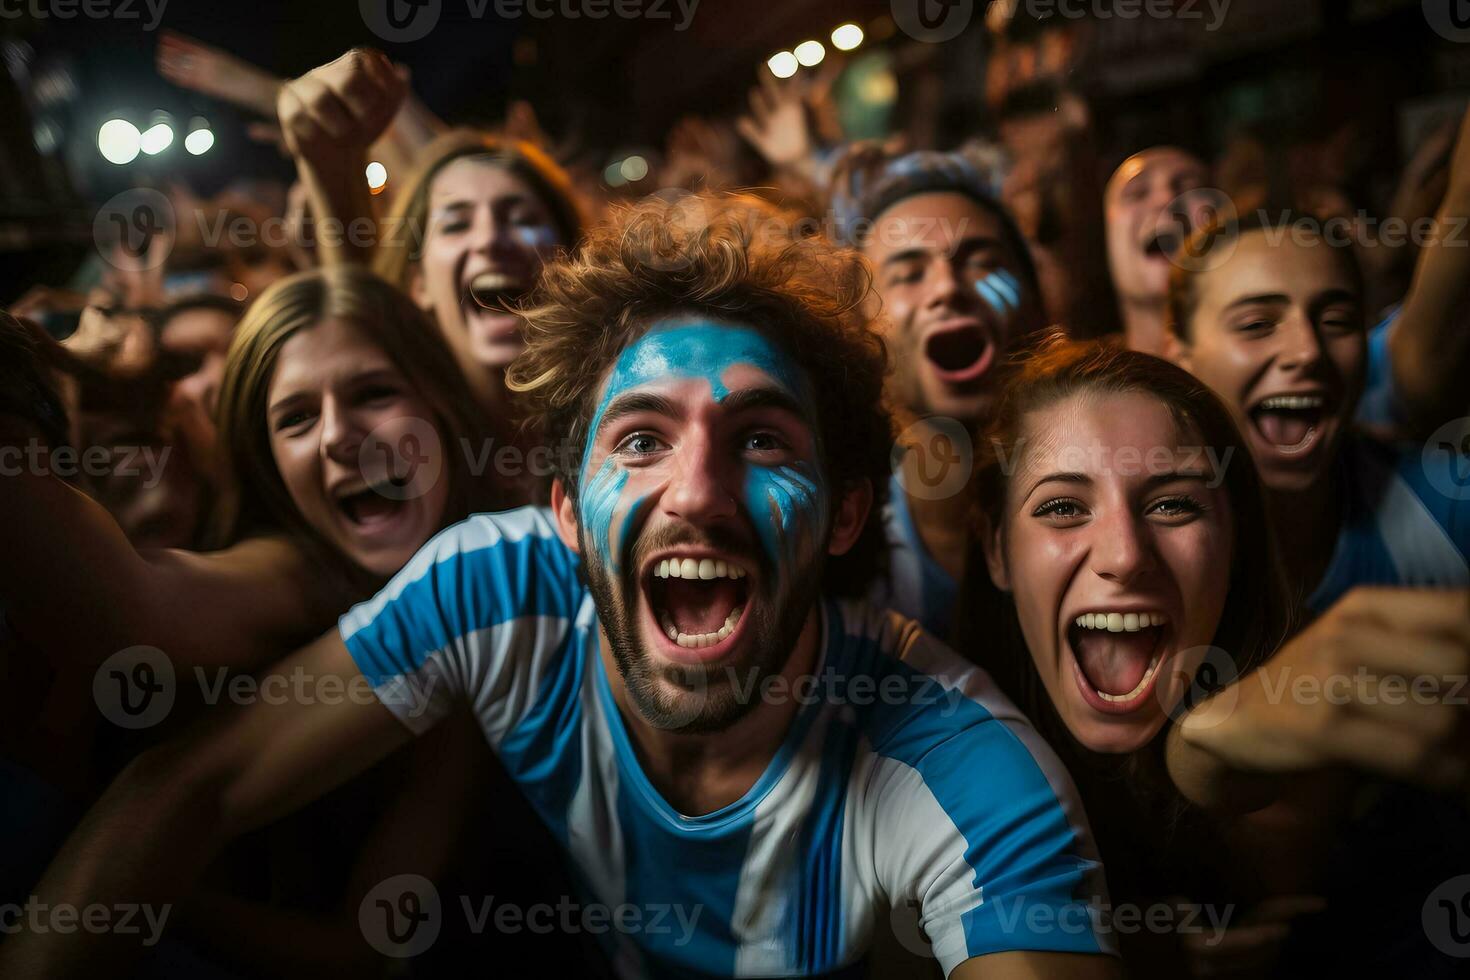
<point x="764" y="442"/>
<point x="640" y="444"/>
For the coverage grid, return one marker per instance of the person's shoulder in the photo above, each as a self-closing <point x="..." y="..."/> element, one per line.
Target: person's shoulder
<point x="921" y="683"/>
<point x="493" y="538"/>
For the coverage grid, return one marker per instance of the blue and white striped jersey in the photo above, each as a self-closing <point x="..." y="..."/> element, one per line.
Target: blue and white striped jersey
<point x="1398" y="527"/>
<point x="906" y="779"/>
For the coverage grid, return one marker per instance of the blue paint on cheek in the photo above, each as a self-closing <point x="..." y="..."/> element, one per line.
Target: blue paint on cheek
<point x="1001" y="291"/>
<point x="598" y="503"/>
<point x="789" y="507"/>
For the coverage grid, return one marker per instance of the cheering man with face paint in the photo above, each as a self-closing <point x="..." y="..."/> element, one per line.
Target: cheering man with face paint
<point x="959" y="294"/>
<point x="663" y="662"/>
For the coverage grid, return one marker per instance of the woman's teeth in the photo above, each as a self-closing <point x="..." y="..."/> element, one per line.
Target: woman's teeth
<point x="1291" y="402"/>
<point x="1121" y="622"/>
<point x="697" y="568"/>
<point x="698" y="640"/>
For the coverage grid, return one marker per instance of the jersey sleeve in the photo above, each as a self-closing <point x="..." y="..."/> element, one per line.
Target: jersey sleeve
<point x="1380" y="408"/>
<point x="477" y="614"/>
<point x="980" y="827"/>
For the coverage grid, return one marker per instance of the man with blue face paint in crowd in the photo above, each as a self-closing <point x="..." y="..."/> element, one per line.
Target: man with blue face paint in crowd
<point x="960" y="294"/>
<point x="664" y="660"/>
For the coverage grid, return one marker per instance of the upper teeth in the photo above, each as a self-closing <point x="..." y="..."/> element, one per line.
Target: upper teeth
<point x="488" y="281"/>
<point x="698" y="568"/>
<point x="1120" y="622"/>
<point x="1292" y="401"/>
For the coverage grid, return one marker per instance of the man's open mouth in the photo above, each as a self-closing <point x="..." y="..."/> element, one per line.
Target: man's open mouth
<point x="1162" y="245"/>
<point x="1117" y="656"/>
<point x="1290" y="423"/>
<point x="698" y="601"/>
<point x="960" y="353"/>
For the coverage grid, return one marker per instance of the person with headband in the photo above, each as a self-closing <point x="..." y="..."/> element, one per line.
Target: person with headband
<point x="663" y="658"/>
<point x="959" y="294"/>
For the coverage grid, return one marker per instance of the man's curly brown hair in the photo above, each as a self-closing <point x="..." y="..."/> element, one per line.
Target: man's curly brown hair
<point x="727" y="258"/>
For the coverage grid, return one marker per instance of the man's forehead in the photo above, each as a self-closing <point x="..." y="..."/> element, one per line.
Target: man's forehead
<point x="724" y="354"/>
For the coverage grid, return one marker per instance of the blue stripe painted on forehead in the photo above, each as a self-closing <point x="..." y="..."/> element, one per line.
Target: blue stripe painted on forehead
<point x="691" y="348"/>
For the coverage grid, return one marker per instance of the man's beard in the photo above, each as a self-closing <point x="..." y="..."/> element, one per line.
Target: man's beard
<point x="707" y="698"/>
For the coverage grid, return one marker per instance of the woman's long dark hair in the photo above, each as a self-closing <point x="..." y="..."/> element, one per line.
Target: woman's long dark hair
<point x="1256" y="616"/>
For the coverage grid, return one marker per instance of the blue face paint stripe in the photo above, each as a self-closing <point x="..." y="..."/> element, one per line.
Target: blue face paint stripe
<point x="1006" y="286"/>
<point x="990" y="296"/>
<point x="599" y="501"/>
<point x="695" y="349"/>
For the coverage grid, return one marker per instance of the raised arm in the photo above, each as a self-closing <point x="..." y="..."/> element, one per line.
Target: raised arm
<point x="73" y="582"/>
<point x="330" y="117"/>
<point x="152" y="834"/>
<point x="1429" y="343"/>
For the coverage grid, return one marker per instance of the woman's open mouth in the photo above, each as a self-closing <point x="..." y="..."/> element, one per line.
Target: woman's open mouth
<point x="1116" y="657"/>
<point x="698" y="604"/>
<point x="1290" y="425"/>
<point x="374" y="508"/>
<point x="960" y="353"/>
<point x="494" y="291"/>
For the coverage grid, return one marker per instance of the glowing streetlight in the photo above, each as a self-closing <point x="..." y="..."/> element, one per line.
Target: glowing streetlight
<point x="810" y="53"/>
<point x="377" y="175"/>
<point x="200" y="137"/>
<point x="847" y="37"/>
<point x="118" y="140"/>
<point x="783" y="64"/>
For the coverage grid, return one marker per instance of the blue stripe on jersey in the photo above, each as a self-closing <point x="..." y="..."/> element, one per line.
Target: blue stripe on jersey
<point x="470" y="577"/>
<point x="1379" y="403"/>
<point x="817" y="926"/>
<point x="693" y="862"/>
<point x="942" y="735"/>
<point x="543" y="752"/>
<point x="1397" y="528"/>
